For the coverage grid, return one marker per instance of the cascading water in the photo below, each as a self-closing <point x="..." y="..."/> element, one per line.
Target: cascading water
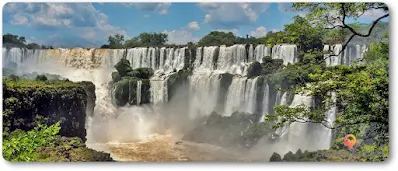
<point x="139" y="84"/>
<point x="204" y="91"/>
<point x="286" y="52"/>
<point x="347" y="57"/>
<point x="261" y="51"/>
<point x="235" y="96"/>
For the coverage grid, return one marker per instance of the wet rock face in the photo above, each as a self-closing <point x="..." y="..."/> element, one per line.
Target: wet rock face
<point x="240" y="130"/>
<point x="28" y="103"/>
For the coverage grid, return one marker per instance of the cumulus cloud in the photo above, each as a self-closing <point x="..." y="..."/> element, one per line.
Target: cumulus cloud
<point x="161" y="8"/>
<point x="232" y="15"/>
<point x="180" y="36"/>
<point x="259" y="32"/>
<point x="193" y="25"/>
<point x="82" y="19"/>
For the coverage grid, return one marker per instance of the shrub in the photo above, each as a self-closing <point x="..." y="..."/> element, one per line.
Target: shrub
<point x="20" y="146"/>
<point x="143" y="73"/>
<point x="41" y="78"/>
<point x="115" y="77"/>
<point x="275" y="157"/>
<point x="123" y="67"/>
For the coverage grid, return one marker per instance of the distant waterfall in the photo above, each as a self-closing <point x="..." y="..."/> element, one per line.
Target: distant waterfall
<point x="346" y="57"/>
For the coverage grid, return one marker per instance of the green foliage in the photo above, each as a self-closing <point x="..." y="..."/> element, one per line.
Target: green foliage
<point x="216" y="38"/>
<point x="33" y="46"/>
<point x="335" y="16"/>
<point x="115" y="77"/>
<point x="143" y="73"/>
<point x="275" y="157"/>
<point x="14" y="40"/>
<point x="20" y="146"/>
<point x="123" y="67"/>
<point x="295" y="75"/>
<point x="41" y="78"/>
<point x="13" y="77"/>
<point x="302" y="33"/>
<point x="116" y="41"/>
<point x="254" y="70"/>
<point x="43" y="144"/>
<point x="362" y="93"/>
<point x="18" y="41"/>
<point x="270" y="66"/>
<point x="125" y="91"/>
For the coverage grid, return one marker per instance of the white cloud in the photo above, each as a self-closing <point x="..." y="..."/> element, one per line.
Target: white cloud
<point x="18" y="19"/>
<point x="193" y="25"/>
<point x="259" y="32"/>
<point x="147" y="16"/>
<point x="232" y="15"/>
<point x="180" y="36"/>
<point x="81" y="19"/>
<point x="161" y="8"/>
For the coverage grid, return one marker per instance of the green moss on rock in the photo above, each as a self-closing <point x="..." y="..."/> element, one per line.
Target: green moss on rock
<point x="70" y="150"/>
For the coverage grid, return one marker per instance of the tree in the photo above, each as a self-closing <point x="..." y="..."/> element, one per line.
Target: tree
<point x="302" y="33"/>
<point x="116" y="41"/>
<point x="134" y="42"/>
<point x="14" y="40"/>
<point x="361" y="95"/>
<point x="147" y="39"/>
<point x="21" y="40"/>
<point x="335" y="15"/>
<point x="33" y="46"/>
<point x="216" y="38"/>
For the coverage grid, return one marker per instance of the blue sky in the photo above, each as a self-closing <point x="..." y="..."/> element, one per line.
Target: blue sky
<point x="89" y="24"/>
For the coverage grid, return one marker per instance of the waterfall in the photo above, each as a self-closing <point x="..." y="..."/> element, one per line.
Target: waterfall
<point x="261" y="51"/>
<point x="158" y="89"/>
<point x="204" y="91"/>
<point x="265" y="102"/>
<point x="251" y="95"/>
<point x="347" y="57"/>
<point x="235" y="95"/>
<point x="286" y="52"/>
<point x="232" y="59"/>
<point x="251" y="54"/>
<point x="139" y="84"/>
<point x="198" y="59"/>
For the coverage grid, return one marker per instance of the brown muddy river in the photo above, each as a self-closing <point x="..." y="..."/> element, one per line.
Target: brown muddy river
<point x="163" y="148"/>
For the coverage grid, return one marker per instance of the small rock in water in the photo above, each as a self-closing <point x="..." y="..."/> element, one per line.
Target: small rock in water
<point x="178" y="142"/>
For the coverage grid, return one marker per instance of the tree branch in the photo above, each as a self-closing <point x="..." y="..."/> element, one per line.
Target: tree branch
<point x="354" y="33"/>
